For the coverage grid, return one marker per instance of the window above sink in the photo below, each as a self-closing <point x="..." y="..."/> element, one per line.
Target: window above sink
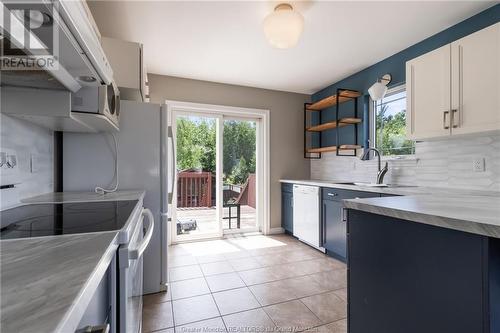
<point x="388" y="125"/>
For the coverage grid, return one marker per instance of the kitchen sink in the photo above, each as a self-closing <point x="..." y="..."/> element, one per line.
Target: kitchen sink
<point x="374" y="185"/>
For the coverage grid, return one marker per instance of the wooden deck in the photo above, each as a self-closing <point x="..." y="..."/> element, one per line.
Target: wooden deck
<point x="206" y="221"/>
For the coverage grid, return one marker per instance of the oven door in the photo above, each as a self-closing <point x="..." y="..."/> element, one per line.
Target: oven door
<point x="130" y="277"/>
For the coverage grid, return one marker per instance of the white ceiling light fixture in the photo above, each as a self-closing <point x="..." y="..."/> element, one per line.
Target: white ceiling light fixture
<point x="378" y="90"/>
<point x="283" y="26"/>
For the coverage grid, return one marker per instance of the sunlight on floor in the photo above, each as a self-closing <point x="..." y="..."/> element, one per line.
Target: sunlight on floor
<point x="229" y="245"/>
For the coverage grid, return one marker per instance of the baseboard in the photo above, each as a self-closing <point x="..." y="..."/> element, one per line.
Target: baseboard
<point x="275" y="231"/>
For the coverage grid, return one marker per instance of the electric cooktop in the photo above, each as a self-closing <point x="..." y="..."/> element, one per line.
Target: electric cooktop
<point x="37" y="220"/>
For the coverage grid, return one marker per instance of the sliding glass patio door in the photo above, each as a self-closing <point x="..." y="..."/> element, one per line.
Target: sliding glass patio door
<point x="218" y="174"/>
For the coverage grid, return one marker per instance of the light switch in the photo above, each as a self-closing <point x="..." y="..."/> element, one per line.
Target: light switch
<point x="9" y="171"/>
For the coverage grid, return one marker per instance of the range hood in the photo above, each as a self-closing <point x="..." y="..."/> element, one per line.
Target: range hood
<point x="71" y="38"/>
<point x="51" y="109"/>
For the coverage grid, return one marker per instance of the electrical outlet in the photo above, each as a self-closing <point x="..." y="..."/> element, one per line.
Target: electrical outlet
<point x="9" y="168"/>
<point x="478" y="165"/>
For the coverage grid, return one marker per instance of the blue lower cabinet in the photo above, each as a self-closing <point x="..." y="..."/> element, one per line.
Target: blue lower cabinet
<point x="334" y="225"/>
<point x="334" y="219"/>
<point x="287" y="208"/>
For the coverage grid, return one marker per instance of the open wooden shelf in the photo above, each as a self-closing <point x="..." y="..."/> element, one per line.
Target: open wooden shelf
<point x="332" y="148"/>
<point x="345" y="95"/>
<point x="333" y="124"/>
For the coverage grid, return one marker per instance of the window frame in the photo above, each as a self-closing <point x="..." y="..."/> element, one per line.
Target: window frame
<point x="372" y="130"/>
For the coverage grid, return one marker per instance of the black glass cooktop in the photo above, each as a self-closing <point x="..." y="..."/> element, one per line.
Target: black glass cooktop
<point x="65" y="218"/>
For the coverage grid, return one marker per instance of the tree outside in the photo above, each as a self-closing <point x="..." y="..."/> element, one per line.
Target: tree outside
<point x="196" y="138"/>
<point x="196" y="143"/>
<point x="391" y="127"/>
<point x="239" y="150"/>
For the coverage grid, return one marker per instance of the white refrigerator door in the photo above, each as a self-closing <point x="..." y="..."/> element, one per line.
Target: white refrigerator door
<point x="89" y="162"/>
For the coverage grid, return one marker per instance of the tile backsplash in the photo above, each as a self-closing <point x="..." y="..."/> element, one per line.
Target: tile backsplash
<point x="444" y="163"/>
<point x="32" y="144"/>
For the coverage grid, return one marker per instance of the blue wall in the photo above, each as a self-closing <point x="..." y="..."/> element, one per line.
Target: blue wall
<point x="394" y="65"/>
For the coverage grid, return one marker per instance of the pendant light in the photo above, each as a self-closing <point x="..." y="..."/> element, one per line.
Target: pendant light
<point x="283" y="26"/>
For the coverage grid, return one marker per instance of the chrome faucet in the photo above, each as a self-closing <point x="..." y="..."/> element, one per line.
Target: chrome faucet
<point x="381" y="171"/>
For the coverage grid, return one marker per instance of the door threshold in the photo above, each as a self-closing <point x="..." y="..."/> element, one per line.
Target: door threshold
<point x="242" y="234"/>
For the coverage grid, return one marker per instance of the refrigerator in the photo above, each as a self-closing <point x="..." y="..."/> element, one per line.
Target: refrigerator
<point x="143" y="145"/>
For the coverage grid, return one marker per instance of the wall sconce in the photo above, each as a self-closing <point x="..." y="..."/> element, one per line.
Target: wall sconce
<point x="378" y="90"/>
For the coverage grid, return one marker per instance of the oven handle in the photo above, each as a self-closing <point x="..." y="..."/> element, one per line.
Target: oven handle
<point x="137" y="253"/>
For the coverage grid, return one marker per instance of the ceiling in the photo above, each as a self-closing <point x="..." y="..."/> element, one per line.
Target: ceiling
<point x="224" y="42"/>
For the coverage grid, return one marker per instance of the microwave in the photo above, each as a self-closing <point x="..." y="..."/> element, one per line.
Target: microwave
<point x="103" y="100"/>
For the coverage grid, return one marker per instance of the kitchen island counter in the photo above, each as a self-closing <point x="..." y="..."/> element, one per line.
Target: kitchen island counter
<point x="474" y="214"/>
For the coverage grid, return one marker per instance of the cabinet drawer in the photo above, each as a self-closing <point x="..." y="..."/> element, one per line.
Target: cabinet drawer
<point x="339" y="195"/>
<point x="287" y="187"/>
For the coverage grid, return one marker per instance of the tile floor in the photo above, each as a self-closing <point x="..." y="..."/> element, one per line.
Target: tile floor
<point x="249" y="284"/>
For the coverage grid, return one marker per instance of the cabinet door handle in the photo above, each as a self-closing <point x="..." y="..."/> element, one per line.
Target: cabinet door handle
<point x="343" y="214"/>
<point x="455" y="115"/>
<point x="332" y="194"/>
<point x="323" y="226"/>
<point x="460" y="85"/>
<point x="412" y="99"/>
<point x="446" y="124"/>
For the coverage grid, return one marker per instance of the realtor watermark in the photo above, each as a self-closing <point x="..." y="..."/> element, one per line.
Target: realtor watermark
<point x="29" y="37"/>
<point x="247" y="329"/>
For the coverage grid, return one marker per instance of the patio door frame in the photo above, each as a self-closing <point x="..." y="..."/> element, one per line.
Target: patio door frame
<point x="262" y="157"/>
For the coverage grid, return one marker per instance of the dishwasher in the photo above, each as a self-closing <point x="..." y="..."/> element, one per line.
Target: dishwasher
<point x="307" y="216"/>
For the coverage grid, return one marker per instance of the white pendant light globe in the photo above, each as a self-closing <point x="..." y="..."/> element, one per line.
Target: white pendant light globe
<point x="377" y="91"/>
<point x="283" y="26"/>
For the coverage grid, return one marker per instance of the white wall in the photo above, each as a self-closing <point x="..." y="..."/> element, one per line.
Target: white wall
<point x="445" y="163"/>
<point x="28" y="139"/>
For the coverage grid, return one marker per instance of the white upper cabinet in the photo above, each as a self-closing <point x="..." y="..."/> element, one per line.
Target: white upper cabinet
<point x="475" y="94"/>
<point x="455" y="89"/>
<point x="126" y="59"/>
<point x="428" y="94"/>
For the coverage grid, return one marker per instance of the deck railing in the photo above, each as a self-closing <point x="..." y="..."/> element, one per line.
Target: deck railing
<point x="194" y="189"/>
